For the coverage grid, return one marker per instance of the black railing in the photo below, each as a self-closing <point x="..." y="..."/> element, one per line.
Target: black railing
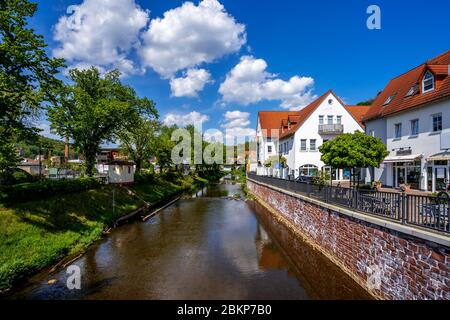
<point x="428" y="212"/>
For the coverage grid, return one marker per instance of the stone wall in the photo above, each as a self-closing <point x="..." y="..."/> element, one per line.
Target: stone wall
<point x="388" y="263"/>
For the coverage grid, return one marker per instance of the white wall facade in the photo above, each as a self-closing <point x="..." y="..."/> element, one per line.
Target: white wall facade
<point x="426" y="143"/>
<point x="309" y="130"/>
<point x="265" y="148"/>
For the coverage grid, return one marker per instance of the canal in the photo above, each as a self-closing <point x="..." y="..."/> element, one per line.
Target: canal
<point x="208" y="246"/>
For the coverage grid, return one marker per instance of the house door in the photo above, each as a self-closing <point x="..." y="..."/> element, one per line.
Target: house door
<point x="400" y="176"/>
<point x="440" y="178"/>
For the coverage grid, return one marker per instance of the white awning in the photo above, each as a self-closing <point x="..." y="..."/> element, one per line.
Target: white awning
<point x="408" y="158"/>
<point x="439" y="157"/>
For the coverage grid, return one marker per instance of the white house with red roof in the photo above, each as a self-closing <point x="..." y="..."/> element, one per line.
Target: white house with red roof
<point x="297" y="135"/>
<point x="412" y="117"/>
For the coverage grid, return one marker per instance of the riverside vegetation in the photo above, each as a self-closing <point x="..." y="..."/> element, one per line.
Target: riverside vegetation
<point x="45" y="221"/>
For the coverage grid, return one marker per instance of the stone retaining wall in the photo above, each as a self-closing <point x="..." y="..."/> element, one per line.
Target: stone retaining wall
<point x="388" y="263"/>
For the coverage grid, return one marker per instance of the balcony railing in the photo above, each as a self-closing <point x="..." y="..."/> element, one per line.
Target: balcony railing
<point x="331" y="128"/>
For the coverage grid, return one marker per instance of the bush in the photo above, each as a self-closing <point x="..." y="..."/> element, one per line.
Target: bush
<point x="21" y="176"/>
<point x="171" y="176"/>
<point x="46" y="188"/>
<point x="144" y="177"/>
<point x="368" y="187"/>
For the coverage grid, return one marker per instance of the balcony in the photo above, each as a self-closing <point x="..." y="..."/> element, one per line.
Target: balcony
<point x="331" y="128"/>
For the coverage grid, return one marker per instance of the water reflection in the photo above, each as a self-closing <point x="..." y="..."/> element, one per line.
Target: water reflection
<point x="206" y="247"/>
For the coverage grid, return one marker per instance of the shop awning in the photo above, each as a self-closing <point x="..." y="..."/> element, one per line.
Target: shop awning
<point x="444" y="156"/>
<point x="408" y="158"/>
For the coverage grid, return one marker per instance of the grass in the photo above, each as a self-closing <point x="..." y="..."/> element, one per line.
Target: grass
<point x="35" y="234"/>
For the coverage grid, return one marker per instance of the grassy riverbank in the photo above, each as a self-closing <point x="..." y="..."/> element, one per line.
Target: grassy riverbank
<point x="38" y="233"/>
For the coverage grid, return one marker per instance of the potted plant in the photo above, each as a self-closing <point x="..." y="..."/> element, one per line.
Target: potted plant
<point x="405" y="187"/>
<point x="377" y="184"/>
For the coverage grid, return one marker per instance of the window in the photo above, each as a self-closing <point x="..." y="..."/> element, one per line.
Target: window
<point x="339" y="119"/>
<point x="309" y="170"/>
<point x="303" y="145"/>
<point x="269" y="149"/>
<point x="330" y="119"/>
<point x="320" y="119"/>
<point x="312" y="144"/>
<point x="428" y="82"/>
<point x="413" y="90"/>
<point x="398" y="130"/>
<point x="437" y="122"/>
<point x="269" y="139"/>
<point x="372" y="133"/>
<point x="415" y="127"/>
<point x="389" y="99"/>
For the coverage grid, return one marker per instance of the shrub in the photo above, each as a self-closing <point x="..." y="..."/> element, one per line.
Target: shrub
<point x="144" y="177"/>
<point x="171" y="176"/>
<point x="21" y="176"/>
<point x="46" y="188"/>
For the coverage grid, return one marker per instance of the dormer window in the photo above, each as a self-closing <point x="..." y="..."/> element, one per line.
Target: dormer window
<point x="389" y="99"/>
<point x="413" y="90"/>
<point x="428" y="82"/>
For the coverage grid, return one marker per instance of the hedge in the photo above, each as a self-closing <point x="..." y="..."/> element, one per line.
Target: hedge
<point x="46" y="188"/>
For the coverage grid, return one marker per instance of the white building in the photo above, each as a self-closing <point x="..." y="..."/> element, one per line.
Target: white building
<point x="118" y="171"/>
<point x="297" y="136"/>
<point x="412" y="117"/>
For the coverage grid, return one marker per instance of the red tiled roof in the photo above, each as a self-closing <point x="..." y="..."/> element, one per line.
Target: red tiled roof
<point x="304" y="114"/>
<point x="400" y="86"/>
<point x="358" y="112"/>
<point x="271" y="120"/>
<point x="274" y="121"/>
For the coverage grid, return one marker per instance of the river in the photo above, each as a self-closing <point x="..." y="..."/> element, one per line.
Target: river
<point x="207" y="246"/>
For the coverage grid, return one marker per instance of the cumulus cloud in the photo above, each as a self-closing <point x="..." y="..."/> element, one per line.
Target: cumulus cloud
<point x="182" y="120"/>
<point x="101" y="33"/>
<point x="192" y="82"/>
<point x="190" y="35"/>
<point x="236" y="125"/>
<point x="249" y="82"/>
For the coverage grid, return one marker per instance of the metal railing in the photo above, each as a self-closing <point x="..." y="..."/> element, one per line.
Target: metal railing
<point x="331" y="128"/>
<point x="428" y="212"/>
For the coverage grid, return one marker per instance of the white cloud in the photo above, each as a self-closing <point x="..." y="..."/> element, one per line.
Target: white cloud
<point x="190" y="35"/>
<point x="182" y="120"/>
<point x="192" y="82"/>
<point x="101" y="33"/>
<point x="236" y="126"/>
<point x="249" y="82"/>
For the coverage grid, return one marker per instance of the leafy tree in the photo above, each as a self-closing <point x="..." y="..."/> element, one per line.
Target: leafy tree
<point x="27" y="75"/>
<point x="137" y="140"/>
<point x="366" y="103"/>
<point x="9" y="160"/>
<point x="353" y="150"/>
<point x="94" y="110"/>
<point x="162" y="148"/>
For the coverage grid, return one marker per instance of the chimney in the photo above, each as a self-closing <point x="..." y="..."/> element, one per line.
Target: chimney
<point x="448" y="70"/>
<point x="66" y="149"/>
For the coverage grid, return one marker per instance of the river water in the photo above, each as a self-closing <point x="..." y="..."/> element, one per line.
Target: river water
<point x="208" y="246"/>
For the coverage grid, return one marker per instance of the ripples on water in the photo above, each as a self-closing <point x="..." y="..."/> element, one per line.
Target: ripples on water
<point x="205" y="247"/>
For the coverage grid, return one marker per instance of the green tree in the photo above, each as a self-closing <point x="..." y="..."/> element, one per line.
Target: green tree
<point x="9" y="160"/>
<point x="93" y="110"/>
<point x="138" y="140"/>
<point x="353" y="150"/>
<point x="27" y="75"/>
<point x="163" y="145"/>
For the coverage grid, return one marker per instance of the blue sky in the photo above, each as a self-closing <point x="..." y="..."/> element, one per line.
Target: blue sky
<point x="247" y="55"/>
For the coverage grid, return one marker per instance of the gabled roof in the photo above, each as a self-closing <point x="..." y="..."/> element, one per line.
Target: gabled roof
<point x="271" y="120"/>
<point x="399" y="87"/>
<point x="358" y="112"/>
<point x="304" y="114"/>
<point x="276" y="121"/>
